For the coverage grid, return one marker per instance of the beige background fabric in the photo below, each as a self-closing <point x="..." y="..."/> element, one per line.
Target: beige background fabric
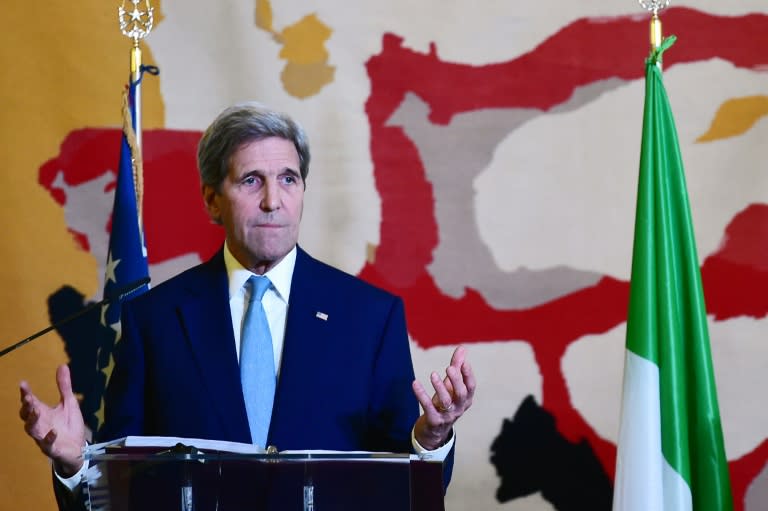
<point x="437" y="132"/>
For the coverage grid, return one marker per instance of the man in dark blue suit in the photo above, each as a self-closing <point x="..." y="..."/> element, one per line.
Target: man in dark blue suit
<point x="341" y="373"/>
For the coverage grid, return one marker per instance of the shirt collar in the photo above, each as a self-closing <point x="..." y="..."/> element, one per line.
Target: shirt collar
<point x="281" y="275"/>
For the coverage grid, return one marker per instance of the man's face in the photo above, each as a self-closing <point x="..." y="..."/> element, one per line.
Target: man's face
<point x="259" y="202"/>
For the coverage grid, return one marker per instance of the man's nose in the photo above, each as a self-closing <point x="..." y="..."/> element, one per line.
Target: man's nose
<point x="270" y="201"/>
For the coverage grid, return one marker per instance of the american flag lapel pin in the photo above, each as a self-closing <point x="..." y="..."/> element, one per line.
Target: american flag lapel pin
<point x="321" y="315"/>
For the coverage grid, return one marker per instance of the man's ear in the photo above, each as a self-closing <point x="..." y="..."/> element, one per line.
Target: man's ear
<point x="211" y="203"/>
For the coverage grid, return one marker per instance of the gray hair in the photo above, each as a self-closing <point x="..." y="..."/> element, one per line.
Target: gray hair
<point x="240" y="124"/>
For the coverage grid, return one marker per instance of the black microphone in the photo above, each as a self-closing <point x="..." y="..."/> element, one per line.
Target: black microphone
<point x="117" y="294"/>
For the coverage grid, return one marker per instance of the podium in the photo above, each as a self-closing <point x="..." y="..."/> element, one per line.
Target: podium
<point x="185" y="479"/>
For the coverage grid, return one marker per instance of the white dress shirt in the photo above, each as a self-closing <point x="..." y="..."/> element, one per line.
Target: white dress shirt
<point x="274" y="301"/>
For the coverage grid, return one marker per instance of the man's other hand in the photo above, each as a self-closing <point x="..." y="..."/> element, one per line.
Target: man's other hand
<point x="453" y="396"/>
<point x="59" y="431"/>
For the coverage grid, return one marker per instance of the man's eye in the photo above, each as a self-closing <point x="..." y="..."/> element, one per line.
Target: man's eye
<point x="289" y="179"/>
<point x="249" y="181"/>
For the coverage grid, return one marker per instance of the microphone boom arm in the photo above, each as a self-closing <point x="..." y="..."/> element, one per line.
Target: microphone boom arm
<point x="117" y="295"/>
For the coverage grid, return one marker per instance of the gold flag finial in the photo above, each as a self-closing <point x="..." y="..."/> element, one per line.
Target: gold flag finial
<point x="136" y="23"/>
<point x="654" y="6"/>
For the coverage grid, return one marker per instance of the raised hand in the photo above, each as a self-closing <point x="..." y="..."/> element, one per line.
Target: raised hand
<point x="453" y="396"/>
<point x="59" y="431"/>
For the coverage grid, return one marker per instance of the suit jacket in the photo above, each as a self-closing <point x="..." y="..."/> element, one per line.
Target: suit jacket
<point x="344" y="384"/>
<point x="345" y="381"/>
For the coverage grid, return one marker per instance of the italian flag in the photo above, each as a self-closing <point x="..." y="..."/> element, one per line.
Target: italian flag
<point x="670" y="450"/>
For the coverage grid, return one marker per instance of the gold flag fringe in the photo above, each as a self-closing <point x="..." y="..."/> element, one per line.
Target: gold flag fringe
<point x="136" y="160"/>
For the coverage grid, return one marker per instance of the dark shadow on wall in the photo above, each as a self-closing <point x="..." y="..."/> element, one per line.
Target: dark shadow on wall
<point x="530" y="455"/>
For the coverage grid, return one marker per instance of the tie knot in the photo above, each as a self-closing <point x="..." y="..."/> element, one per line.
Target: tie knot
<point x="258" y="285"/>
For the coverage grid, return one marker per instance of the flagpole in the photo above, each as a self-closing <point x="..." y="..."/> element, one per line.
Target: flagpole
<point x="127" y="254"/>
<point x="135" y="76"/>
<point x="136" y="24"/>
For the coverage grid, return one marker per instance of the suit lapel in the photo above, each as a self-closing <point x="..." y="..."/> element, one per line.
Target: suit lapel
<point x="206" y="320"/>
<point x="302" y="349"/>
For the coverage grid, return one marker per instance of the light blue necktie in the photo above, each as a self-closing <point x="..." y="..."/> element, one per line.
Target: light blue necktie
<point x="257" y="363"/>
